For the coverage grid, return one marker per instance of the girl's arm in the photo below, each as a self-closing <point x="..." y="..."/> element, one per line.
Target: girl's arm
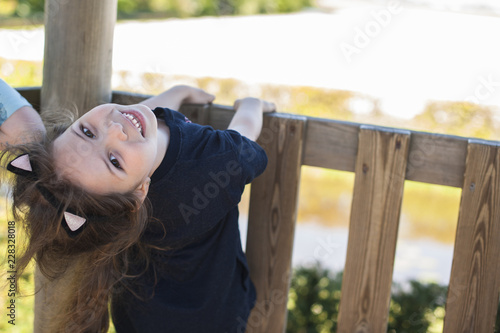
<point x="248" y="117"/>
<point x="178" y="95"/>
<point x="19" y="122"/>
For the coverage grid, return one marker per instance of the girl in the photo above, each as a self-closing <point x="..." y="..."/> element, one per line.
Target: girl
<point x="138" y="203"/>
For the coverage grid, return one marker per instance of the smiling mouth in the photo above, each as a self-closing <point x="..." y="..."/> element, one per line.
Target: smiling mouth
<point x="135" y="121"/>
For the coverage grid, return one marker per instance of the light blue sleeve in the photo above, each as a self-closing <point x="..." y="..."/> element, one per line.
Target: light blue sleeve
<point x="10" y="101"/>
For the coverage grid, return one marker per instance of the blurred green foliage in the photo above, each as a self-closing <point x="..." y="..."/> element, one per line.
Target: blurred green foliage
<point x="314" y="300"/>
<point x="464" y="119"/>
<point x="417" y="308"/>
<point x="167" y="8"/>
<point x="21" y="73"/>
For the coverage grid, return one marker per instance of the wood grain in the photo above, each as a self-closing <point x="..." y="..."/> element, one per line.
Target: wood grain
<point x="78" y="53"/>
<point x="271" y="225"/>
<point x="433" y="158"/>
<point x="474" y="283"/>
<point x="331" y="144"/>
<point x="375" y="211"/>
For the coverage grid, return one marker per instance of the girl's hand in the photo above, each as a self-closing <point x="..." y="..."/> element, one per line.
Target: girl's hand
<point x="178" y="95"/>
<point x="196" y="95"/>
<point x="268" y="107"/>
<point x="248" y="117"/>
<point x="265" y="106"/>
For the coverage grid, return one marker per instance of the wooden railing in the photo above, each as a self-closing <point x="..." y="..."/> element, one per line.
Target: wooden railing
<point x="382" y="159"/>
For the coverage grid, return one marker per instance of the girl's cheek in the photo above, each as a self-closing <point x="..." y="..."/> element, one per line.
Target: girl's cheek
<point x="83" y="149"/>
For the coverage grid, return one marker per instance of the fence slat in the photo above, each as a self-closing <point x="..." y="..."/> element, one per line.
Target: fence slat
<point x="271" y="225"/>
<point x="378" y="191"/>
<point x="474" y="283"/>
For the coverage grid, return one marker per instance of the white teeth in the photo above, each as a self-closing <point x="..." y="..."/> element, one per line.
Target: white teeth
<point x="134" y="121"/>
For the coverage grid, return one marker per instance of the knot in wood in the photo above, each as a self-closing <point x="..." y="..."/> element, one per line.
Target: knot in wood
<point x="472" y="187"/>
<point x="292" y="129"/>
<point x="365" y="168"/>
<point x="398" y="143"/>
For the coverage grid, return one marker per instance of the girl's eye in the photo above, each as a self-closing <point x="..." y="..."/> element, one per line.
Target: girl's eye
<point x="115" y="162"/>
<point x="87" y="132"/>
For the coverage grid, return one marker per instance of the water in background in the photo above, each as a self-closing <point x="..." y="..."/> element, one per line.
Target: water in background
<point x="424" y="250"/>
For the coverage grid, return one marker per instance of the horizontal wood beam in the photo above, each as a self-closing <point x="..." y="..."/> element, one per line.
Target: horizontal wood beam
<point x="32" y="94"/>
<point x="433" y="158"/>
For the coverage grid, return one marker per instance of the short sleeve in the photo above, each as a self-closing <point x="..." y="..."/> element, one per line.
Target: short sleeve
<point x="10" y="101"/>
<point x="252" y="159"/>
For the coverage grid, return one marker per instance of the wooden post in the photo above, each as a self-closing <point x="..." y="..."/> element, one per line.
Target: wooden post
<point x="376" y="205"/>
<point x="78" y="54"/>
<point x="76" y="76"/>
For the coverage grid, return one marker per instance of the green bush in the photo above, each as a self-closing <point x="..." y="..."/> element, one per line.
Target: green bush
<point x="27" y="8"/>
<point x="314" y="300"/>
<point x="418" y="308"/>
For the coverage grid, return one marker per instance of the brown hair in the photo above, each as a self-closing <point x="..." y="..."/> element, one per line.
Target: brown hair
<point x="91" y="263"/>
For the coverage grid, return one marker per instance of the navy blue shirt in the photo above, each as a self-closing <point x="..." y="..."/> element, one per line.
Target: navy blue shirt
<point x="202" y="276"/>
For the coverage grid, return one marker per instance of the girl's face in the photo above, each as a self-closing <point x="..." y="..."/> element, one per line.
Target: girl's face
<point x="110" y="149"/>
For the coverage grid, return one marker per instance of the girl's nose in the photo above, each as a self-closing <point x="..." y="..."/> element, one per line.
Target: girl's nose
<point x="116" y="130"/>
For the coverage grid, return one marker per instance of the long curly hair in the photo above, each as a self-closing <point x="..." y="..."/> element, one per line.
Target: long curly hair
<point x="87" y="266"/>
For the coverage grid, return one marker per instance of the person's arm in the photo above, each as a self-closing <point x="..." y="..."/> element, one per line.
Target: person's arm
<point x="248" y="117"/>
<point x="23" y="126"/>
<point x="19" y="122"/>
<point x="178" y="95"/>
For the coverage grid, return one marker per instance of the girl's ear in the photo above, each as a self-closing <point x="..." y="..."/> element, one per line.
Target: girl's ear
<point x="142" y="190"/>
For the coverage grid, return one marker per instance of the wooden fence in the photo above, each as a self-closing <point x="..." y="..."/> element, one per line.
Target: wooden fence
<point x="382" y="159"/>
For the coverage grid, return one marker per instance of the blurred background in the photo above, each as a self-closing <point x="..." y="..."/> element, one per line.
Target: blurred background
<point x="413" y="64"/>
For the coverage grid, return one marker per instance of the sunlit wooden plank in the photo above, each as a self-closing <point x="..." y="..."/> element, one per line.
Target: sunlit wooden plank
<point x="378" y="192"/>
<point x="271" y="225"/>
<point x="474" y="283"/>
